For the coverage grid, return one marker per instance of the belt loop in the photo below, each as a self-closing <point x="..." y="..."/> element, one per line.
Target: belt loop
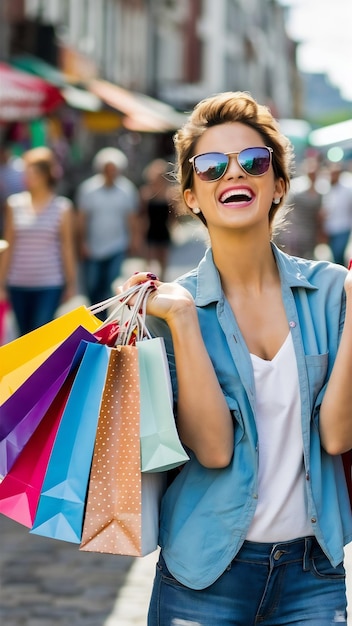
<point x="307" y="552"/>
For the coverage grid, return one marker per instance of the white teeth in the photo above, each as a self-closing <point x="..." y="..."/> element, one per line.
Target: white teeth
<point x="235" y="192"/>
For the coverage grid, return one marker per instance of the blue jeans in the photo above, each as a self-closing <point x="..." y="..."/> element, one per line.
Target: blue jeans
<point x="99" y="274"/>
<point x="34" y="307"/>
<point x="291" y="583"/>
<point x="338" y="244"/>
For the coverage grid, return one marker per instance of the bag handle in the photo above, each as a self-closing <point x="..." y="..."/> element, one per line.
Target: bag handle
<point x="131" y="318"/>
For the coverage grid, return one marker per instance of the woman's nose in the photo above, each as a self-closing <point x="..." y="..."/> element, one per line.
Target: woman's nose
<point x="233" y="168"/>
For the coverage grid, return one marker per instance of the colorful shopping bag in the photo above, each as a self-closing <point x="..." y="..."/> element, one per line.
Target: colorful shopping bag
<point x="5" y="312"/>
<point x="21" y="357"/>
<point x="22" y="412"/>
<point x="62" y="501"/>
<point x="20" y="489"/>
<point x="122" y="509"/>
<point x="161" y="448"/>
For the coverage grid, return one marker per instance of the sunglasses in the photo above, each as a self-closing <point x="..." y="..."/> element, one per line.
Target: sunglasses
<point x="211" y="166"/>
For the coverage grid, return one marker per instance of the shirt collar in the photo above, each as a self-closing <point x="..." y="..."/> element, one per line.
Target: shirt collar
<point x="209" y="287"/>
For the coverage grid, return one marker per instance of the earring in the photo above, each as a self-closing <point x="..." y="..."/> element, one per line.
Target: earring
<point x="196" y="211"/>
<point x="276" y="200"/>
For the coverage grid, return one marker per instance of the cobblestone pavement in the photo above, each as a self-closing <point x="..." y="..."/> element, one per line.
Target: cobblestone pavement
<point x="44" y="582"/>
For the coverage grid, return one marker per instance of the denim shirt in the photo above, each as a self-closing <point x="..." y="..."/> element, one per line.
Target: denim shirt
<point x="206" y="513"/>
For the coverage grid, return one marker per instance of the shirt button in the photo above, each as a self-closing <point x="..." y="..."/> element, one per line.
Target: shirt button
<point x="313" y="520"/>
<point x="292" y="324"/>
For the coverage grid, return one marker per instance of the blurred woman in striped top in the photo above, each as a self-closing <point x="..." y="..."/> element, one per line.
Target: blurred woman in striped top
<point x="38" y="270"/>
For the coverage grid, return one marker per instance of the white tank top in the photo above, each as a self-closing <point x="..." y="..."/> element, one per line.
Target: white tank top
<point x="36" y="259"/>
<point x="281" y="512"/>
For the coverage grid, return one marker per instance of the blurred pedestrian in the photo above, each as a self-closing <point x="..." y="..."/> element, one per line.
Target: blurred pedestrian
<point x="156" y="208"/>
<point x="38" y="270"/>
<point x="302" y="232"/>
<point x="337" y="214"/>
<point x="108" y="208"/>
<point x="11" y="177"/>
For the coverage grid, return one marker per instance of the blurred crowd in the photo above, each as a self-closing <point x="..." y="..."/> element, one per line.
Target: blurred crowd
<point x="60" y="247"/>
<point x="318" y="222"/>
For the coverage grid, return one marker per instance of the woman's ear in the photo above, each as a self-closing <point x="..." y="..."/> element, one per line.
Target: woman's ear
<point x="190" y="199"/>
<point x="279" y="187"/>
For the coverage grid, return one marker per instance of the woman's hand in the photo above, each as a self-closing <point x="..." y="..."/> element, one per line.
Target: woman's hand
<point x="167" y="301"/>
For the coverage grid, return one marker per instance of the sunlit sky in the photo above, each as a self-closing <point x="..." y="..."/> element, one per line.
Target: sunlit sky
<point x="324" y="30"/>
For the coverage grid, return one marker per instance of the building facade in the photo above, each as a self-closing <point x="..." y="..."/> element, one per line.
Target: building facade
<point x="181" y="50"/>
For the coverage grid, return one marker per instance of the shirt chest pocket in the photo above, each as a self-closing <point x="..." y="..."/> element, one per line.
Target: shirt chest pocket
<point x="317" y="367"/>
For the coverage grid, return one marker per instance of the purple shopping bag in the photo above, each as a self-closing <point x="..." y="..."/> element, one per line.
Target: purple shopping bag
<point x="22" y="412"/>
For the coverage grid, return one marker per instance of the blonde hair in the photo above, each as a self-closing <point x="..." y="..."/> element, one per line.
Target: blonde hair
<point x="234" y="106"/>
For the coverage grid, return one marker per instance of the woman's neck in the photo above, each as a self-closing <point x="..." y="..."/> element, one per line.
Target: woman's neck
<point x="244" y="262"/>
<point x="41" y="197"/>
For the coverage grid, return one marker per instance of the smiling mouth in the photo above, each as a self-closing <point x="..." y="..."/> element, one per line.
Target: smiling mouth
<point x="236" y="196"/>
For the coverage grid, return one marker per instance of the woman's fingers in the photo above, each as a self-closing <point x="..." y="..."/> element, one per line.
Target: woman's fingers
<point x="136" y="279"/>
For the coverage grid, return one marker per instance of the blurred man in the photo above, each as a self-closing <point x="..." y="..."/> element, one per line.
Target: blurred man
<point x="303" y="231"/>
<point x="108" y="205"/>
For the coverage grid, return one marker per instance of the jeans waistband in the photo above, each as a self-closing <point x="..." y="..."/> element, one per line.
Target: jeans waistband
<point x="301" y="549"/>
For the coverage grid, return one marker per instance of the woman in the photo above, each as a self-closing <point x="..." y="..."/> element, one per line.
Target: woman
<point x="259" y="343"/>
<point x="156" y="209"/>
<point x="38" y="270"/>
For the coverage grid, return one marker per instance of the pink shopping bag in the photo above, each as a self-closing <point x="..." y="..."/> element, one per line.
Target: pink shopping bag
<point x="20" y="489"/>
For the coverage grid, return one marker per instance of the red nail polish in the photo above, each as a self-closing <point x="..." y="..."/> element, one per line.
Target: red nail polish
<point x="350" y="264"/>
<point x="152" y="276"/>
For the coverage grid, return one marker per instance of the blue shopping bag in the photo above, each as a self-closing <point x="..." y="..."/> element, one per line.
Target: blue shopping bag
<point x="61" y="504"/>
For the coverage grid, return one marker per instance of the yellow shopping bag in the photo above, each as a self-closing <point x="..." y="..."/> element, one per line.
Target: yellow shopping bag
<point x="19" y="358"/>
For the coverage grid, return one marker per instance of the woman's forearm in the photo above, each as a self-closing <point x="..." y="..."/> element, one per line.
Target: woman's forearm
<point x="203" y="417"/>
<point x="336" y="408"/>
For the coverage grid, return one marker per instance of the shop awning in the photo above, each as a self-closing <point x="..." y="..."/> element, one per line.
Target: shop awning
<point x="74" y="95"/>
<point x="25" y="97"/>
<point x="140" y="112"/>
<point x="339" y="134"/>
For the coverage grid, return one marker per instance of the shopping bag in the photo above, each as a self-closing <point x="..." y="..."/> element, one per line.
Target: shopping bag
<point x="122" y="509"/>
<point x="6" y="322"/>
<point x="20" y="489"/>
<point x="161" y="448"/>
<point x="21" y="357"/>
<point x="62" y="500"/>
<point x="23" y="410"/>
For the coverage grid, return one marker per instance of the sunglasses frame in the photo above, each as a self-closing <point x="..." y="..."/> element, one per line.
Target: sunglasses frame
<point x="228" y="154"/>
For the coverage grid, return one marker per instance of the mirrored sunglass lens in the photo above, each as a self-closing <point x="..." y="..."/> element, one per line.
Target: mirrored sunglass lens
<point x="210" y="166"/>
<point x="255" y="161"/>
